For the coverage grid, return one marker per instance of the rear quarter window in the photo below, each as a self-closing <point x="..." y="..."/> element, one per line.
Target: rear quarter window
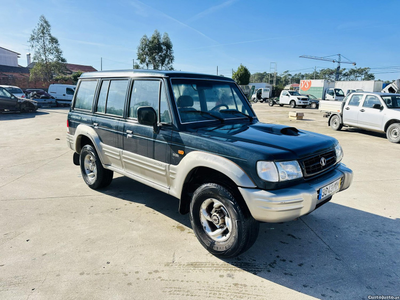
<point x="85" y="95"/>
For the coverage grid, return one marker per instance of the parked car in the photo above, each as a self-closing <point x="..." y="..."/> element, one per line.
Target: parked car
<point x="314" y="101"/>
<point x="371" y="111"/>
<point x="197" y="138"/>
<point x="9" y="102"/>
<point x="293" y="98"/>
<point x="41" y="96"/>
<point x="16" y="91"/>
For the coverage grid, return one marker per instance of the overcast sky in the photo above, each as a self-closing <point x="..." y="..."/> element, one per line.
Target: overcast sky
<point x="215" y="33"/>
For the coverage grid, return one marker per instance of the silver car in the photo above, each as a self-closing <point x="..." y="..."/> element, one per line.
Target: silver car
<point x="372" y="111"/>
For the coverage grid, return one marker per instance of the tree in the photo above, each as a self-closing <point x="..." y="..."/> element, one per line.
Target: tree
<point x="48" y="58"/>
<point x="156" y="51"/>
<point x="242" y="75"/>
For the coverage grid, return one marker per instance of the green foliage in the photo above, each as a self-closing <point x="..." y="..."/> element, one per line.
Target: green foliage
<point x="242" y="75"/>
<point x="286" y="78"/>
<point x="48" y="58"/>
<point x="156" y="52"/>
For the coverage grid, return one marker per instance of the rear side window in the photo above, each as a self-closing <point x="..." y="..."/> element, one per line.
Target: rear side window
<point x="84" y="97"/>
<point x="70" y="91"/>
<point x="116" y="97"/>
<point x="355" y="100"/>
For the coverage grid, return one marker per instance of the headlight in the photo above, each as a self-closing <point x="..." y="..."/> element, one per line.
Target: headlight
<point x="339" y="152"/>
<point x="279" y="171"/>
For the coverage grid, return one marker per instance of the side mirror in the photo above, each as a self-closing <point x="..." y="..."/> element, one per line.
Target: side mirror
<point x="377" y="106"/>
<point x="148" y="116"/>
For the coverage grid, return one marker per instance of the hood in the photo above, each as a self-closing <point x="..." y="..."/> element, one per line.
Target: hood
<point x="268" y="141"/>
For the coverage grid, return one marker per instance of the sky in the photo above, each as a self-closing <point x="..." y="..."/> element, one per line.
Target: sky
<point x="211" y="36"/>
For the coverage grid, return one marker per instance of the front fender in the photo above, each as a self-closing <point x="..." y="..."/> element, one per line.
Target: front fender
<point x="198" y="159"/>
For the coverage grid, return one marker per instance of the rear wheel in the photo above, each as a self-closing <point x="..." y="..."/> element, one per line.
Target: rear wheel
<point x="336" y="123"/>
<point x="292" y="104"/>
<point x="219" y="223"/>
<point x="271" y="102"/>
<point x="93" y="173"/>
<point x="313" y="105"/>
<point x="393" y="133"/>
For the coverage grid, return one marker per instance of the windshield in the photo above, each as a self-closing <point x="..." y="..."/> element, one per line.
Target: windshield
<point x="392" y="101"/>
<point x="203" y="100"/>
<point x="294" y="93"/>
<point x="339" y="92"/>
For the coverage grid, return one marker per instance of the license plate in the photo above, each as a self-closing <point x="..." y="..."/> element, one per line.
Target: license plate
<point x="329" y="189"/>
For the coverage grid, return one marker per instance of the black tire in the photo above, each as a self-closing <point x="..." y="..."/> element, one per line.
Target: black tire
<point x="393" y="133"/>
<point x="313" y="105"/>
<point x="214" y="210"/>
<point x="271" y="102"/>
<point x="93" y="173"/>
<point x="304" y="106"/>
<point x="281" y="105"/>
<point x="336" y="123"/>
<point x="292" y="104"/>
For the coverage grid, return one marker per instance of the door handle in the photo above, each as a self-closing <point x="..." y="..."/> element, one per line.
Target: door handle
<point x="347" y="108"/>
<point x="129" y="133"/>
<point x="362" y="110"/>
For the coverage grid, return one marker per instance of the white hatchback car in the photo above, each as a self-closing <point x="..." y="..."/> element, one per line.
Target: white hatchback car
<point x="16" y="91"/>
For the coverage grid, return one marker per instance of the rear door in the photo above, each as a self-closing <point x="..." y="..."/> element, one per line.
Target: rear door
<point x="109" y="119"/>
<point x="146" y="153"/>
<point x="351" y="109"/>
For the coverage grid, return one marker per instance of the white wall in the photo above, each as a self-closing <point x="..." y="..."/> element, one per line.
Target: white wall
<point x="8" y="58"/>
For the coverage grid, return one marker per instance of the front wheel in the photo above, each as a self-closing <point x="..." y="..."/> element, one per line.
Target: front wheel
<point x="313" y="105"/>
<point x="271" y="102"/>
<point x="393" y="133"/>
<point x="93" y="173"/>
<point x="292" y="104"/>
<point x="336" y="124"/>
<point x="219" y="223"/>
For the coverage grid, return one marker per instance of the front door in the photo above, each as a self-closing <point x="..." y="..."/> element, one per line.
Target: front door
<point x="370" y="117"/>
<point x="7" y="100"/>
<point x="146" y="153"/>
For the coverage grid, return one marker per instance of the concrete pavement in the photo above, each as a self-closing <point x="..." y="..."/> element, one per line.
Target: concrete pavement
<point x="61" y="240"/>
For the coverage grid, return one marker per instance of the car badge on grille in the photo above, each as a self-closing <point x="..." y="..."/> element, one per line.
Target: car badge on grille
<point x="323" y="161"/>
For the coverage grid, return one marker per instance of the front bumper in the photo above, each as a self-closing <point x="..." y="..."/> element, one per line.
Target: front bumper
<point x="290" y="203"/>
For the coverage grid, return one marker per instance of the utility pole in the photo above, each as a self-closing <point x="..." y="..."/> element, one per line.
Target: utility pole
<point x="101" y="64"/>
<point x="217" y="70"/>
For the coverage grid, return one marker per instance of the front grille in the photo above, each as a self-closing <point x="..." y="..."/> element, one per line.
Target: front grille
<point x="312" y="166"/>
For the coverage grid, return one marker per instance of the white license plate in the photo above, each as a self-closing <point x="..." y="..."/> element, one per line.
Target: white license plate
<point x="329" y="189"/>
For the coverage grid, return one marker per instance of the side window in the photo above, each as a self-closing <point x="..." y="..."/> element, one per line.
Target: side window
<point x="70" y="91"/>
<point x="101" y="103"/>
<point x="85" y="94"/>
<point x="144" y="93"/>
<point x="330" y="92"/>
<point x="355" y="100"/>
<point x="370" y="101"/>
<point x="116" y="97"/>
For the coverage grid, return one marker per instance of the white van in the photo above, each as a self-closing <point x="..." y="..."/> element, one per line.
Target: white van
<point x="62" y="92"/>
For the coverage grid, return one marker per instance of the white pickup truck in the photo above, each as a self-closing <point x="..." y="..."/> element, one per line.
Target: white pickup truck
<point x="293" y="98"/>
<point x="371" y="111"/>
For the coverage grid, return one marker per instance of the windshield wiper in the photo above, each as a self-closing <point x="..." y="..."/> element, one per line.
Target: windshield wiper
<point x="208" y="114"/>
<point x="234" y="111"/>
